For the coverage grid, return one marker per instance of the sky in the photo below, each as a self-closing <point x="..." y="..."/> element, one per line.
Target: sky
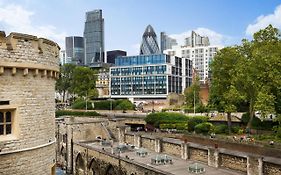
<point x="225" y="22"/>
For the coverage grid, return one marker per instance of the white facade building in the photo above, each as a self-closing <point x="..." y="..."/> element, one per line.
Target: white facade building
<point x="199" y="51"/>
<point x="201" y="57"/>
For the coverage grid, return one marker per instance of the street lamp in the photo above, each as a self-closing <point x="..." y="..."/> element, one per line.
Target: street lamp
<point x="194" y="101"/>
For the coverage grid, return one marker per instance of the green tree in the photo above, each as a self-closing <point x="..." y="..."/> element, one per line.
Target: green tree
<point x="223" y="94"/>
<point x="259" y="71"/>
<point x="64" y="82"/>
<point x="192" y="94"/>
<point x="84" y="81"/>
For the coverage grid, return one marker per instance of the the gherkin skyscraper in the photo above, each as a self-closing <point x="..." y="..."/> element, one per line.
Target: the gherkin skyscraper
<point x="149" y="42"/>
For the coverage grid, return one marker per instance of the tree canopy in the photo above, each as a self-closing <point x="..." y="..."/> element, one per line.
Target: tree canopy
<point x="77" y="80"/>
<point x="250" y="72"/>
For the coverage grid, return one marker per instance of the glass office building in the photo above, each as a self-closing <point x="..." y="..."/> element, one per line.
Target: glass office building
<point x="94" y="37"/>
<point x="149" y="43"/>
<point x="74" y="48"/>
<point x="149" y="76"/>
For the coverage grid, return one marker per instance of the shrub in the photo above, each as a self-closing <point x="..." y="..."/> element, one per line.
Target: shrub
<point x="125" y="105"/>
<point x="158" y="118"/>
<point x="220" y="129"/>
<point x="203" y="128"/>
<point x="236" y="129"/>
<point x="82" y="105"/>
<point x="181" y="126"/>
<point x="76" y="113"/>
<point x="193" y="121"/>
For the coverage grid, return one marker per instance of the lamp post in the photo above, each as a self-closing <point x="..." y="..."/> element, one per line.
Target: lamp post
<point x="194" y="101"/>
<point x="86" y="101"/>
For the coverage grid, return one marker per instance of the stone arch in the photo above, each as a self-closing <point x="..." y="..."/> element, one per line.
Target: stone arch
<point x="94" y="168"/>
<point x="79" y="165"/>
<point x="110" y="170"/>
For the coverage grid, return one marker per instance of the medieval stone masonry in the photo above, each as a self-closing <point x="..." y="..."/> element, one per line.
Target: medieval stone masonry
<point x="28" y="69"/>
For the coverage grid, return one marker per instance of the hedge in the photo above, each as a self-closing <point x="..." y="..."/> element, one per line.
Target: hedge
<point x="76" y="113"/>
<point x="203" y="128"/>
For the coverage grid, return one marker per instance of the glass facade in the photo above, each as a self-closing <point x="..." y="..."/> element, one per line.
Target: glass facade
<point x="74" y="48"/>
<point x="142" y="59"/>
<point x="146" y="75"/>
<point x="149" y="43"/>
<point x="94" y="37"/>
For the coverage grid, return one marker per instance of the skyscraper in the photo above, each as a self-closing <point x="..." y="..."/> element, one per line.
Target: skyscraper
<point x="166" y="42"/>
<point x="149" y="42"/>
<point x="196" y="40"/>
<point x="94" y="37"/>
<point x="74" y="48"/>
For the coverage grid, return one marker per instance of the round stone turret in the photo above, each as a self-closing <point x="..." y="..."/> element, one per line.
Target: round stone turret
<point x="28" y="69"/>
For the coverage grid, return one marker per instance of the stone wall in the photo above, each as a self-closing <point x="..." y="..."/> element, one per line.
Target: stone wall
<point x="171" y="148"/>
<point x="148" y="143"/>
<point x="28" y="68"/>
<point x="129" y="139"/>
<point x="198" y="154"/>
<point x="233" y="162"/>
<point x="106" y="161"/>
<point x="271" y="169"/>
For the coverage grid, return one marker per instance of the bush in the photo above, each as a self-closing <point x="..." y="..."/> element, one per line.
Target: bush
<point x="158" y="118"/>
<point x="203" y="128"/>
<point x="193" y="121"/>
<point x="220" y="129"/>
<point x="124" y="105"/>
<point x="236" y="129"/>
<point x="82" y="105"/>
<point x="178" y="126"/>
<point x="76" y="113"/>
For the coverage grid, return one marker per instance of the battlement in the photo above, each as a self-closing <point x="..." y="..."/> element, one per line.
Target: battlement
<point x="27" y="52"/>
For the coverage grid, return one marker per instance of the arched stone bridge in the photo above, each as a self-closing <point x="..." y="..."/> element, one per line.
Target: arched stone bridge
<point x="89" y="161"/>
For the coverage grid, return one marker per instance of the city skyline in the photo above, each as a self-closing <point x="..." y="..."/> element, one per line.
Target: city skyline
<point x="224" y="22"/>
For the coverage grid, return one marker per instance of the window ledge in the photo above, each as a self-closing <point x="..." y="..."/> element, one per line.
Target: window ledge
<point x="9" y="137"/>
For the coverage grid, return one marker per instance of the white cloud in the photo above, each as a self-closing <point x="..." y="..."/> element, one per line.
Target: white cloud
<point x="263" y="21"/>
<point x="214" y="37"/>
<point x="14" y="18"/>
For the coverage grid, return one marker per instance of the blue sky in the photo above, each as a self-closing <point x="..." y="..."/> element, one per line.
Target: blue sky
<point x="225" y="22"/>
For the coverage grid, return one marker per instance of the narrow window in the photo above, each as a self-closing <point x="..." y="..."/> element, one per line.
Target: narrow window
<point x="5" y="122"/>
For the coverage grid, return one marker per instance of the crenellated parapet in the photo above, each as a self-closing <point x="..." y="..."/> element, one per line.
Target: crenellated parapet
<point x="27" y="54"/>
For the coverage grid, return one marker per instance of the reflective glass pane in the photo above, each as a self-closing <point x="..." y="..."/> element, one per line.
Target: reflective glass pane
<point x="8" y="129"/>
<point x="1" y="129"/>
<point x="1" y="117"/>
<point x="8" y="117"/>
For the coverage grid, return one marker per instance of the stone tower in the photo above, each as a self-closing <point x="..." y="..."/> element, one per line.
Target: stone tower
<point x="28" y="69"/>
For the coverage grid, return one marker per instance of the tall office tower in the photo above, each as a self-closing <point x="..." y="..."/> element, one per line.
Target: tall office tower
<point x="113" y="54"/>
<point x="149" y="42"/>
<point x="62" y="57"/>
<point x="166" y="42"/>
<point x="94" y="37"/>
<point x="74" y="48"/>
<point x="199" y="51"/>
<point x="196" y="40"/>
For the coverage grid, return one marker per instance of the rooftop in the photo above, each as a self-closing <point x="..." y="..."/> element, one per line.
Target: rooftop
<point x="163" y="162"/>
